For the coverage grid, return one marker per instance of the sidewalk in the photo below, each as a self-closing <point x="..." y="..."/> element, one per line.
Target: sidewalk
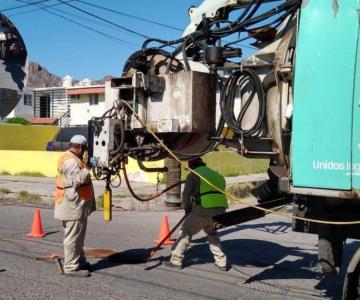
<point x="122" y="199"/>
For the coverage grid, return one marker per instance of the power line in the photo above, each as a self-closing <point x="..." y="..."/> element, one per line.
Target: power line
<point x="36" y="9"/>
<point x="85" y="19"/>
<point x="128" y="15"/>
<point x="123" y="42"/>
<point x="102" y="19"/>
<point x="21" y="6"/>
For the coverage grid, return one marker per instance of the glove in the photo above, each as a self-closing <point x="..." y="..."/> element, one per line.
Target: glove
<point x="85" y="157"/>
<point x="88" y="161"/>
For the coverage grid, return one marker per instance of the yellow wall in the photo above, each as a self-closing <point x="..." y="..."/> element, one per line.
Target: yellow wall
<point x="26" y="137"/>
<point x="17" y="161"/>
<point x="44" y="162"/>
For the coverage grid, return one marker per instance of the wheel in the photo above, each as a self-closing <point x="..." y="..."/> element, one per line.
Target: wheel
<point x="351" y="287"/>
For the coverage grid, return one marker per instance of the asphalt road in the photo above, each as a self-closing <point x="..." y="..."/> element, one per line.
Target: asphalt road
<point x="268" y="261"/>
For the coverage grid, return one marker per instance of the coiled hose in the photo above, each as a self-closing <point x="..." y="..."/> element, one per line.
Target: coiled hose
<point x="241" y="79"/>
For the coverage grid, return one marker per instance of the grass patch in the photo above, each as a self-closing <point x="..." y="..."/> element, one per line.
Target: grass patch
<point x="100" y="202"/>
<point x="240" y="190"/>
<point x="30" y="174"/>
<point x="117" y="196"/>
<point x="29" y="197"/>
<point x="4" y="191"/>
<point x="145" y="195"/>
<point x="5" y="173"/>
<point x="230" y="164"/>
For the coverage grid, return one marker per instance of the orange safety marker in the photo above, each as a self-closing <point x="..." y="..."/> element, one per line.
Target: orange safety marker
<point x="36" y="230"/>
<point x="164" y="231"/>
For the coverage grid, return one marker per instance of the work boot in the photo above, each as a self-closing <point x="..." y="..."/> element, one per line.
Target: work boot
<point x="78" y="273"/>
<point x="85" y="266"/>
<point x="171" y="265"/>
<point x="222" y="268"/>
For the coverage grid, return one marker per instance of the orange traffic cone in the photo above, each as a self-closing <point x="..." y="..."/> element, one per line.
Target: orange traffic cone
<point x="164" y="232"/>
<point x="36" y="230"/>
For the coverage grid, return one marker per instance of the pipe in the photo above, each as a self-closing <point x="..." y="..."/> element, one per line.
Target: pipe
<point x="148" y="198"/>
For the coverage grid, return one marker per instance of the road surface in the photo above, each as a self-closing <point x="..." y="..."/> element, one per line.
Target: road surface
<point x="268" y="261"/>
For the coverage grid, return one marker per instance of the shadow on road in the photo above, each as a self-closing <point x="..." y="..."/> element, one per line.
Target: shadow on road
<point x="131" y="256"/>
<point x="276" y="262"/>
<point x="273" y="228"/>
<point x="52" y="232"/>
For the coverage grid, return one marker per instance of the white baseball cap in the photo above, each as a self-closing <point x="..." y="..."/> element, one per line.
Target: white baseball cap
<point x="78" y="139"/>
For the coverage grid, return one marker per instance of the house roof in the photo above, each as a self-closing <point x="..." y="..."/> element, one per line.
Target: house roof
<point x="86" y="90"/>
<point x="46" y="89"/>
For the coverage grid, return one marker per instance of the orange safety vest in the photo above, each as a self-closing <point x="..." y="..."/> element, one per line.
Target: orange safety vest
<point x="85" y="190"/>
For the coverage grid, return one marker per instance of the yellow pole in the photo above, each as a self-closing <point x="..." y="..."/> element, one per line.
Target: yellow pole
<point x="107" y="204"/>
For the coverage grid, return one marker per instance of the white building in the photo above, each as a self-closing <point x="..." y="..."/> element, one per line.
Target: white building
<point x="68" y="105"/>
<point x="86" y="102"/>
<point x="25" y="107"/>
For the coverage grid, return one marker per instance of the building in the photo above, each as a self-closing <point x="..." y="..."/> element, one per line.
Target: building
<point x="25" y="107"/>
<point x="68" y="105"/>
<point x="85" y="102"/>
<point x="51" y="106"/>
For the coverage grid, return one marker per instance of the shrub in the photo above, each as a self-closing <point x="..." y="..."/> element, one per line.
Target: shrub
<point x="4" y="191"/>
<point x="18" y="120"/>
<point x="100" y="202"/>
<point x="26" y="196"/>
<point x="30" y="174"/>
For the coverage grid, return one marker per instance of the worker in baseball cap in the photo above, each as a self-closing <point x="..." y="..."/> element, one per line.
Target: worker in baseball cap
<point x="74" y="202"/>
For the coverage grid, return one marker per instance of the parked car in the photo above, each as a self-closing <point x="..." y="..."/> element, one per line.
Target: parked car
<point x="61" y="141"/>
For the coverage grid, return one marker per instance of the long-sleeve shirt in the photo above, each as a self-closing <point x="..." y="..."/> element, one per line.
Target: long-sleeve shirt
<point x="72" y="207"/>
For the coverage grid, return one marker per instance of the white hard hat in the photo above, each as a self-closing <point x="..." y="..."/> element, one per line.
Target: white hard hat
<point x="78" y="139"/>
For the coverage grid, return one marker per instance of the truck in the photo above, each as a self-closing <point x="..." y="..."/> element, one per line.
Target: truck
<point x="294" y="101"/>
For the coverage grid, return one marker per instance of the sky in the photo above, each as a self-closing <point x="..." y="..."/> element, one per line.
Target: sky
<point x="65" y="48"/>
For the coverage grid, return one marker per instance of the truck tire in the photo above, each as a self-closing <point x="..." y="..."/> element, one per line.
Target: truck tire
<point x="2" y="50"/>
<point x="351" y="287"/>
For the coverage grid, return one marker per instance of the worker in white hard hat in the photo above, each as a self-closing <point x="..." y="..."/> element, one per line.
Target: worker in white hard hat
<point x="74" y="202"/>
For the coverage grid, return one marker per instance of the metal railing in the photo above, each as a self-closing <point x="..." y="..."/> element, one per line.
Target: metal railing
<point x="52" y="103"/>
<point x="64" y="120"/>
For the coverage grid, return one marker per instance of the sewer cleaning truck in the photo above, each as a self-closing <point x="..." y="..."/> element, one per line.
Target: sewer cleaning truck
<point x="294" y="101"/>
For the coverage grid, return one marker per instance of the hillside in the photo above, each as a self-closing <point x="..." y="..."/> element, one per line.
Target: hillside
<point x="40" y="77"/>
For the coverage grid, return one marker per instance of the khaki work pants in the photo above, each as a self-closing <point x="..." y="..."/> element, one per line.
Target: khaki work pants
<point x="74" y="236"/>
<point x="192" y="225"/>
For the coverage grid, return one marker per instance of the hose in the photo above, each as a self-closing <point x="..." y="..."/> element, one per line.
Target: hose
<point x="152" y="197"/>
<point x="239" y="79"/>
<point x="122" y="140"/>
<point x="241" y="201"/>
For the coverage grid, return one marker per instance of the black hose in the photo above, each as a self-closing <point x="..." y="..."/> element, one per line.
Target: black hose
<point x="185" y="58"/>
<point x="152" y="197"/>
<point x="240" y="79"/>
<point x="244" y="21"/>
<point x="122" y="140"/>
<point x="245" y="11"/>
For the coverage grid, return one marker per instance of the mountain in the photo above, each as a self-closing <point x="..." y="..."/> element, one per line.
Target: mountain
<point x="39" y="77"/>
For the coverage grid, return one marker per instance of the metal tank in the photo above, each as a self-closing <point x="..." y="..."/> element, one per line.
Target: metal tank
<point x="13" y="66"/>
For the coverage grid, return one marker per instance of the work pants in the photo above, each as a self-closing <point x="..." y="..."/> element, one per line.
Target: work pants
<point x="74" y="236"/>
<point x="192" y="225"/>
